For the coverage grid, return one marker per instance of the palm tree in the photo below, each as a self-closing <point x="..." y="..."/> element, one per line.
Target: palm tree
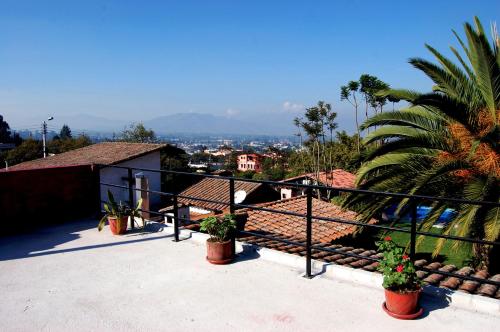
<point x="445" y="143"/>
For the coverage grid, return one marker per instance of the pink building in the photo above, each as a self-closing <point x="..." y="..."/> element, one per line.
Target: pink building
<point x="250" y="162"/>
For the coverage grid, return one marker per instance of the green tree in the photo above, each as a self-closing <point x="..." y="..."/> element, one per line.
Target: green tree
<point x="393" y="100"/>
<point x="342" y="152"/>
<point x="231" y="162"/>
<point x="137" y="133"/>
<point x="273" y="168"/>
<point x="370" y="88"/>
<point x="367" y="83"/>
<point x="63" y="145"/>
<point x="379" y="100"/>
<point x="349" y="92"/>
<point x="65" y="132"/>
<point x="4" y="131"/>
<point x="29" y="149"/>
<point x="317" y="121"/>
<point x="446" y="143"/>
<point x="175" y="159"/>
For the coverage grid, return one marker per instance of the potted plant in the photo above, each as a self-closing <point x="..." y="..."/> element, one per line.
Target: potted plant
<point x="219" y="245"/>
<point x="117" y="215"/>
<point x="402" y="286"/>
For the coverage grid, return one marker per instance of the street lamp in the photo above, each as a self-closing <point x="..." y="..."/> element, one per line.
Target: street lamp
<point x="44" y="135"/>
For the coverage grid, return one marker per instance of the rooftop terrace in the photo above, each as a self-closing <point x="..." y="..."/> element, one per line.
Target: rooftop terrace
<point x="72" y="277"/>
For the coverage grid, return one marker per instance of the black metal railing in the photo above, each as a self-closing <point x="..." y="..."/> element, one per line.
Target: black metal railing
<point x="309" y="217"/>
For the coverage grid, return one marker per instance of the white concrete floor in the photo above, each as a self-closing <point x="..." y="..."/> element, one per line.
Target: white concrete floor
<point x="72" y="278"/>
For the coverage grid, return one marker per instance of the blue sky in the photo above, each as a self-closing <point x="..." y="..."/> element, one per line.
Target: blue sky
<point x="256" y="60"/>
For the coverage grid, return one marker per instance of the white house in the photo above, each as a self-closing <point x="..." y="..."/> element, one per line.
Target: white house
<point x="140" y="155"/>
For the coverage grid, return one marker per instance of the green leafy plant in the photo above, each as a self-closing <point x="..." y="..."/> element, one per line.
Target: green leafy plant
<point x="219" y="229"/>
<point x="398" y="270"/>
<point x="119" y="210"/>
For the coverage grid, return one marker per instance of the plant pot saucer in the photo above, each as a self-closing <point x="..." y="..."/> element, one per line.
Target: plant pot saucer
<point x="417" y="314"/>
<point x="220" y="262"/>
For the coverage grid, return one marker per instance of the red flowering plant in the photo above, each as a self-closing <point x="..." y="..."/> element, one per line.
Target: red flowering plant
<point x="398" y="270"/>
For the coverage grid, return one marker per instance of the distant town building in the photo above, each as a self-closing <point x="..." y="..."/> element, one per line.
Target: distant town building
<point x="249" y="162"/>
<point x="222" y="152"/>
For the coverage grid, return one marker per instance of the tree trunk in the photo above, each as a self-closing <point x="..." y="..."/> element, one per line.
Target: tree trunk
<point x="357" y="123"/>
<point x="481" y="255"/>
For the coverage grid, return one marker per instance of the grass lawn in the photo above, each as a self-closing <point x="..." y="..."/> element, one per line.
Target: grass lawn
<point x="448" y="255"/>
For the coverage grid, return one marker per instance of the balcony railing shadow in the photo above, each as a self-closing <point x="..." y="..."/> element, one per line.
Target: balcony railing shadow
<point x="44" y="240"/>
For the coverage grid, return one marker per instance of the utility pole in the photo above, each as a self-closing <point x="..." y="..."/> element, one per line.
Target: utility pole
<point x="44" y="136"/>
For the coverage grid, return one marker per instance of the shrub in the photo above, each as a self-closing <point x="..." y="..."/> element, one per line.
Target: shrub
<point x="219" y="229"/>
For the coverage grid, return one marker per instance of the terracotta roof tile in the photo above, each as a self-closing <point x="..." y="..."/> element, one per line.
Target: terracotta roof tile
<point x="489" y="290"/>
<point x="454" y="282"/>
<point x="107" y="153"/>
<point x="293" y="226"/>
<point x="470" y="286"/>
<point x="435" y="278"/>
<point x="216" y="190"/>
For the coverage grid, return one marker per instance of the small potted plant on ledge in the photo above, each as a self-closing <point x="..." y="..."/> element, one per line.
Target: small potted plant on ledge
<point x="219" y="246"/>
<point x="117" y="215"/>
<point x="402" y="286"/>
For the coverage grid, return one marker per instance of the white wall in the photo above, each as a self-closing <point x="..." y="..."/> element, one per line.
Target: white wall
<point x="118" y="176"/>
<point x="286" y="193"/>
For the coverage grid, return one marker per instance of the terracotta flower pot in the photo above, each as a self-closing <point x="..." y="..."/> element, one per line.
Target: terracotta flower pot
<point x="219" y="252"/>
<point x="402" y="304"/>
<point x="118" y="226"/>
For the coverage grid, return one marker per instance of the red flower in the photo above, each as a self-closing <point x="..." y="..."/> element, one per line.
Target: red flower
<point x="405" y="257"/>
<point x="399" y="268"/>
<point x="387" y="238"/>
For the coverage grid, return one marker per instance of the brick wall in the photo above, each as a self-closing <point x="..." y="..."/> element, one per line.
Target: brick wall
<point x="33" y="198"/>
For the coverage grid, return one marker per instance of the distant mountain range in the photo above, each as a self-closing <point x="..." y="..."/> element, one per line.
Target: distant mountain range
<point x="186" y="123"/>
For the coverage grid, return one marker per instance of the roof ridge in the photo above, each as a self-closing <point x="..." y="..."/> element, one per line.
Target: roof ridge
<point x="107" y="153"/>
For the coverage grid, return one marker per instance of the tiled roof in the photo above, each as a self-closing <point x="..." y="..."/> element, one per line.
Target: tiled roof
<point x="336" y="178"/>
<point x="289" y="225"/>
<point x="107" y="153"/>
<point x="216" y="190"/>
<point x="434" y="279"/>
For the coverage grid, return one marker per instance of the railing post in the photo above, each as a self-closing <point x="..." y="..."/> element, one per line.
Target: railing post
<point x="231" y="211"/>
<point x="131" y="195"/>
<point x="309" y="234"/>
<point x="176" y="210"/>
<point x="413" y="234"/>
<point x="176" y="219"/>
<point x="231" y="195"/>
